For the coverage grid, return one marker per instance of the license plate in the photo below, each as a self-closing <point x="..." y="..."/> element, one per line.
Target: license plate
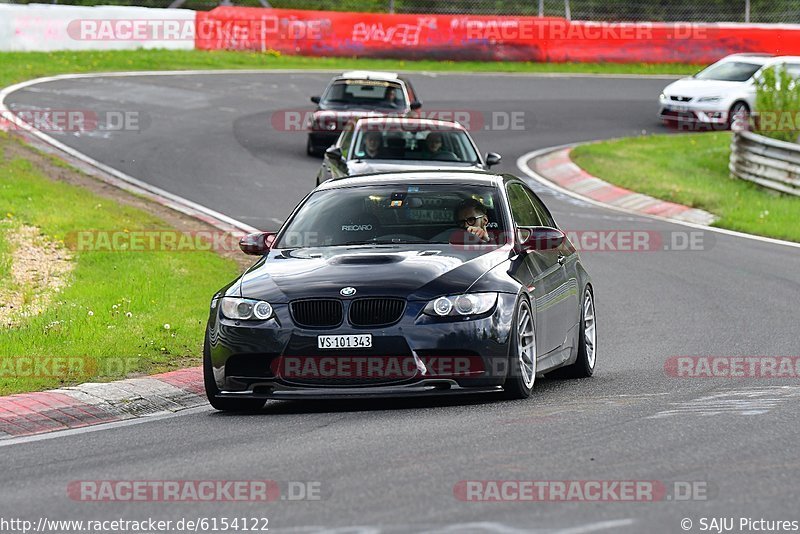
<point x="360" y="341"/>
<point x="678" y="108"/>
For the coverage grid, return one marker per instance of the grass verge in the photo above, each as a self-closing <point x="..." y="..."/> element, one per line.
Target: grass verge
<point x="120" y="313"/>
<point x="20" y="66"/>
<point x="692" y="169"/>
<point x="5" y="257"/>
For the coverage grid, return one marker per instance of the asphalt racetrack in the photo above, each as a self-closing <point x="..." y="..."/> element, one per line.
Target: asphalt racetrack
<point x="393" y="466"/>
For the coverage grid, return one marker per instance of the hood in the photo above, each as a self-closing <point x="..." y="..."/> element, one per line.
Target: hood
<point x="698" y="88"/>
<point x="336" y="120"/>
<point x="416" y="272"/>
<point x="365" y="166"/>
<point x="351" y="112"/>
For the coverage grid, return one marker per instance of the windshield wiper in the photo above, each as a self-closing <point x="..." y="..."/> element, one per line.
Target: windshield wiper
<point x="385" y="242"/>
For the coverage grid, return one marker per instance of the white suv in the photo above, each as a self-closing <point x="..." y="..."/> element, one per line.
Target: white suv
<point x="721" y="93"/>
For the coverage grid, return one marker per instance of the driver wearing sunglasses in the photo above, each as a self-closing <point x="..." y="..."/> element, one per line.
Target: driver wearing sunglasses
<point x="471" y="216"/>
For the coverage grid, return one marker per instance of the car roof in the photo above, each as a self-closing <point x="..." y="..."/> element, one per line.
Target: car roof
<point x="754" y="58"/>
<point x="408" y="121"/>
<point x="760" y="59"/>
<point x="450" y="176"/>
<point x="370" y="75"/>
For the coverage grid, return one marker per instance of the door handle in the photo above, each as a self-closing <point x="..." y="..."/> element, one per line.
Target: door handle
<point x="561" y="259"/>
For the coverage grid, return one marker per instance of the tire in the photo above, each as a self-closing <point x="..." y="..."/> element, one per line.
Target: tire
<point x="226" y="405"/>
<point x="587" y="343"/>
<point x="739" y="116"/>
<point x="522" y="355"/>
<point x="310" y="150"/>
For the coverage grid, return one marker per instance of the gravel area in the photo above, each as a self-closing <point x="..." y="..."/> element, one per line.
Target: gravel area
<point x="39" y="270"/>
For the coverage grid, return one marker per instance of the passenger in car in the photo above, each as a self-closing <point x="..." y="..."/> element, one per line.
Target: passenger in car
<point x="434" y="148"/>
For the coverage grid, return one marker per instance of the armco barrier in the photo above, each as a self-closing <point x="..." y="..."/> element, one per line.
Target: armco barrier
<point x="327" y="33"/>
<point x="767" y="162"/>
<point x="324" y="33"/>
<point x="44" y="28"/>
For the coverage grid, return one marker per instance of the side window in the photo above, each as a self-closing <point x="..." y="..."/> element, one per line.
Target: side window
<point x="541" y="210"/>
<point x="521" y="206"/>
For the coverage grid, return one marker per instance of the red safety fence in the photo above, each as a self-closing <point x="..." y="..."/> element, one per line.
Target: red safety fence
<point x="462" y="37"/>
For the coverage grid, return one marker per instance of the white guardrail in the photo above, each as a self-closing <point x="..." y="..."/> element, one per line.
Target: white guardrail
<point x="46" y="27"/>
<point x="767" y="162"/>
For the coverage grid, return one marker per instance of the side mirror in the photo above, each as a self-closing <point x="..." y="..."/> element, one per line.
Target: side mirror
<point x="316" y="99"/>
<point x="334" y="152"/>
<point x="257" y="244"/>
<point x="539" y="237"/>
<point x="493" y="158"/>
<point x="415" y="105"/>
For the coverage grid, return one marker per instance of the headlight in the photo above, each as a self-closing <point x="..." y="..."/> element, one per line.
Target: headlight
<point x="709" y="99"/>
<point x="324" y="121"/>
<point x="662" y="96"/>
<point x="467" y="304"/>
<point x="245" y="309"/>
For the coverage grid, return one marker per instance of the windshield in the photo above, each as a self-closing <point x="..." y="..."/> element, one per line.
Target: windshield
<point x="730" y="71"/>
<point x="365" y="93"/>
<point x="419" y="145"/>
<point x="392" y="214"/>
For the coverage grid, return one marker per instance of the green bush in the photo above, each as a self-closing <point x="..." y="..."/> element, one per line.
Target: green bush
<point x="777" y="105"/>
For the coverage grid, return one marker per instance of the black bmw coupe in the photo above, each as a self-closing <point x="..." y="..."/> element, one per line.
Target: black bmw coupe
<point x="411" y="283"/>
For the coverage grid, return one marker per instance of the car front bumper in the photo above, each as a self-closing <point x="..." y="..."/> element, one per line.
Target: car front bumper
<point x="269" y="359"/>
<point x="271" y="389"/>
<point x="702" y="112"/>
<point x="694" y="115"/>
